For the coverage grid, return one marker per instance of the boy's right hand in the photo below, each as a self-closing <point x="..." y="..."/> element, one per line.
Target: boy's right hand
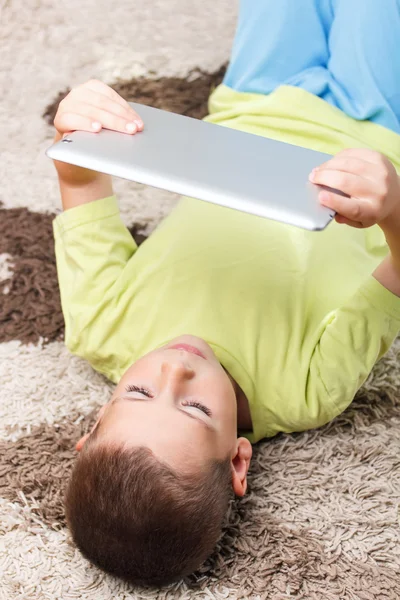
<point x="90" y="107"/>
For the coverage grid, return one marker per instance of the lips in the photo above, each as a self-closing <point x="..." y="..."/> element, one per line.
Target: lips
<point x="188" y="348"/>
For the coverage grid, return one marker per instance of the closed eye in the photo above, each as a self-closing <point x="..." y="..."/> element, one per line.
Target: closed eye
<point x="197" y="405"/>
<point x="140" y="390"/>
<point x="147" y="393"/>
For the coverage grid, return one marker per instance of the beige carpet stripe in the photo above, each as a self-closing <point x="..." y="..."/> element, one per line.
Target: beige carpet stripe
<point x="44" y="384"/>
<point x="44" y="49"/>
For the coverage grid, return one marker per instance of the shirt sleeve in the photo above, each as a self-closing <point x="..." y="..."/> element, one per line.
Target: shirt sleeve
<point x="353" y="339"/>
<point x="92" y="247"/>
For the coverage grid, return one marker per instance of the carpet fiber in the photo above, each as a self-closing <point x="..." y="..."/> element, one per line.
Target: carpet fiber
<point x="321" y="517"/>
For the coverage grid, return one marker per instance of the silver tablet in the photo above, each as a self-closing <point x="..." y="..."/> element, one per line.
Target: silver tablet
<point x="210" y="162"/>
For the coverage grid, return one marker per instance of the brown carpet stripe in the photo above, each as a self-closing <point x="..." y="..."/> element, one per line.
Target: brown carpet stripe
<point x="30" y="308"/>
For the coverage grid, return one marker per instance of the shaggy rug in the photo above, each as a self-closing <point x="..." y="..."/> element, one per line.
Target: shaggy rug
<point x="321" y="517"/>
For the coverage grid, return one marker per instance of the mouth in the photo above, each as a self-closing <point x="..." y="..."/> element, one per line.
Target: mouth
<point x="187" y="348"/>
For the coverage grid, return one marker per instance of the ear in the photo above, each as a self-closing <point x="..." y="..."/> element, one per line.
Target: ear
<point x="79" y="445"/>
<point x="240" y="466"/>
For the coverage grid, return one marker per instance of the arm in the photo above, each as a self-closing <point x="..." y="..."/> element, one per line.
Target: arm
<point x="93" y="248"/>
<point x="353" y="338"/>
<point x="360" y="332"/>
<point x="373" y="188"/>
<point x="388" y="272"/>
<point x="99" y="186"/>
<point x="92" y="244"/>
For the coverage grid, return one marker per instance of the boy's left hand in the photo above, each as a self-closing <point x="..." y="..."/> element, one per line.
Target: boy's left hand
<point x="370" y="180"/>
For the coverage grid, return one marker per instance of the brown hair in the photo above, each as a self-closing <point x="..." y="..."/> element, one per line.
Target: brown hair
<point x="135" y="517"/>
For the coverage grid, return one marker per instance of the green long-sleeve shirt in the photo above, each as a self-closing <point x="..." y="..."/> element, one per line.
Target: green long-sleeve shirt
<point x="294" y="316"/>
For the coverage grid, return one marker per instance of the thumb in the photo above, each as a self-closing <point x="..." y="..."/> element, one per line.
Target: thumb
<point x="344" y="221"/>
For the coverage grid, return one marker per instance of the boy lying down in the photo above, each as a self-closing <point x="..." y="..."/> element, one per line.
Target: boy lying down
<point x="222" y="328"/>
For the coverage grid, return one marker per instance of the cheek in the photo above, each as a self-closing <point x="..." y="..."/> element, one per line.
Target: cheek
<point x="142" y="368"/>
<point x="223" y="400"/>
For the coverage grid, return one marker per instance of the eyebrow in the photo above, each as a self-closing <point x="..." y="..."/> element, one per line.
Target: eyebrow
<point x="128" y="399"/>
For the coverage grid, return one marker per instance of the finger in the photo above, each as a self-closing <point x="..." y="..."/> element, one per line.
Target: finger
<point x="101" y="88"/>
<point x="94" y="102"/>
<point x="367" y="154"/>
<point x="348" y="183"/>
<point x="91" y="118"/>
<point x="354" y="165"/>
<point x="343" y="221"/>
<point x="67" y="122"/>
<point x="352" y="209"/>
<point x="87" y="96"/>
<point x="370" y="156"/>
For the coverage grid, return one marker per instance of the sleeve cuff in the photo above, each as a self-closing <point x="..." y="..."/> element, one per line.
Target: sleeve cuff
<point x="86" y="213"/>
<point x="380" y="297"/>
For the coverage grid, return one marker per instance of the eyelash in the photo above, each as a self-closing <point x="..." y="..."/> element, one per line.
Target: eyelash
<point x="141" y="390"/>
<point x="201" y="407"/>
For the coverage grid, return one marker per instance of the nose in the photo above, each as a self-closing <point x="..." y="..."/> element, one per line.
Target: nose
<point x="178" y="369"/>
<point x="176" y="374"/>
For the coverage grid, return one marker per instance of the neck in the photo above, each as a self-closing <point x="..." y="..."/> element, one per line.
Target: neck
<point x="243" y="409"/>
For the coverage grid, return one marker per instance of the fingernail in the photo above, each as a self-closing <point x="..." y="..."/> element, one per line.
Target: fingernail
<point x="139" y="124"/>
<point x="96" y="125"/>
<point x="131" y="127"/>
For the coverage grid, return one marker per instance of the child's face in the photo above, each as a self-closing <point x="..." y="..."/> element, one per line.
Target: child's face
<point x="179" y="403"/>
